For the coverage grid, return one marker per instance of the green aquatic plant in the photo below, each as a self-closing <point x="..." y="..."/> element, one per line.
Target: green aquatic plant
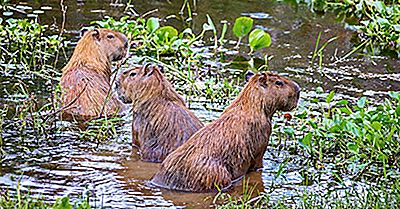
<point x="352" y="142"/>
<point x="365" y="137"/>
<point x="22" y="200"/>
<point x="259" y="39"/>
<point x="377" y="22"/>
<point x="242" y="27"/>
<point x="26" y="44"/>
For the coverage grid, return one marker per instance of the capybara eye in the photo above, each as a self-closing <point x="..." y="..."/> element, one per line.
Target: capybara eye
<point x="110" y="36"/>
<point x="279" y="83"/>
<point x="133" y="74"/>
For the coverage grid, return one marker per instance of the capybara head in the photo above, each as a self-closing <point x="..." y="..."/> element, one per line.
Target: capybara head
<point x="271" y="92"/>
<point x="142" y="83"/>
<point x="114" y="45"/>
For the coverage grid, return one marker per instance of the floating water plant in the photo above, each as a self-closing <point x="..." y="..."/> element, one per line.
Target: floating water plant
<point x="242" y="27"/>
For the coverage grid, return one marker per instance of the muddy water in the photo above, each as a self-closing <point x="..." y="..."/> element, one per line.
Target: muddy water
<point x="112" y="174"/>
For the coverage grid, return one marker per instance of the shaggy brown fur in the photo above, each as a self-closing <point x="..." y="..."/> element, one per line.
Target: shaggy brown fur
<point x="161" y="121"/>
<point x="235" y="143"/>
<point x="85" y="80"/>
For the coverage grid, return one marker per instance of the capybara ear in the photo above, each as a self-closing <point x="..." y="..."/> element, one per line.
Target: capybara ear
<point x="160" y="68"/>
<point x="263" y="80"/>
<point x="96" y="34"/>
<point x="149" y="69"/>
<point x="84" y="31"/>
<point x="248" y="75"/>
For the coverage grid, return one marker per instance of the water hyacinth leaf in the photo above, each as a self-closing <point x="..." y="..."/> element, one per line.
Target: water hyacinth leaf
<point x="211" y="24"/>
<point x="342" y="102"/>
<point x="306" y="141"/>
<point x="361" y="102"/>
<point x="152" y="24"/>
<point x="289" y="131"/>
<point x="376" y="125"/>
<point x="166" y="33"/>
<point x="330" y="97"/>
<point x="319" y="90"/>
<point x="224" y="30"/>
<point x="396" y="28"/>
<point x="395" y="95"/>
<point x="380" y="6"/>
<point x="346" y="110"/>
<point x="188" y="32"/>
<point x="62" y="203"/>
<point x="242" y="26"/>
<point x="259" y="39"/>
<point x="353" y="147"/>
<point x="382" y="157"/>
<point x="383" y="21"/>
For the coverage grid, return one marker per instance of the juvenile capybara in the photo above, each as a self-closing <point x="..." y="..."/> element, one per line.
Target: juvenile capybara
<point x="233" y="144"/>
<point x="161" y="121"/>
<point x="85" y="80"/>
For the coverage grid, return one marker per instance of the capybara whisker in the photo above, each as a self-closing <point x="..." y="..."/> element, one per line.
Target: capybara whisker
<point x="161" y="120"/>
<point x="234" y="144"/>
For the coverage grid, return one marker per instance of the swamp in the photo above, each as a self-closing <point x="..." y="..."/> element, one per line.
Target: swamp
<point x="340" y="148"/>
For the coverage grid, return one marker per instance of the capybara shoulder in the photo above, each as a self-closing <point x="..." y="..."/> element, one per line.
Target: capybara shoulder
<point x="85" y="80"/>
<point x="232" y="145"/>
<point x="161" y="120"/>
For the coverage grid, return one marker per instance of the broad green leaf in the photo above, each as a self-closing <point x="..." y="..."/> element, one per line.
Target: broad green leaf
<point x="382" y="157"/>
<point x="398" y="110"/>
<point x="376" y="125"/>
<point x="345" y="110"/>
<point x="242" y="26"/>
<point x="383" y="21"/>
<point x="288" y="130"/>
<point x="166" y="33"/>
<point x="224" y="29"/>
<point x="62" y="203"/>
<point x="330" y="97"/>
<point x="211" y="24"/>
<point x="361" y="102"/>
<point x="396" y="27"/>
<point x="319" y="90"/>
<point x="395" y="95"/>
<point x="342" y="102"/>
<point x="353" y="147"/>
<point x="152" y="24"/>
<point x="306" y="141"/>
<point x="259" y="39"/>
<point x="380" y="6"/>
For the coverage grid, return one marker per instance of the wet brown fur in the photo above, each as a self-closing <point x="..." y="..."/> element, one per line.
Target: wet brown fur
<point x="232" y="145"/>
<point x="161" y="121"/>
<point x="85" y="80"/>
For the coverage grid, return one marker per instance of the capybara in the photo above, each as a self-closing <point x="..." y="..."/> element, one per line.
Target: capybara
<point x="161" y="121"/>
<point x="85" y="80"/>
<point x="232" y="145"/>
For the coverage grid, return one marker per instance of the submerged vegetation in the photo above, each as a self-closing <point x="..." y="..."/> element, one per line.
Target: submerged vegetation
<point x="352" y="143"/>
